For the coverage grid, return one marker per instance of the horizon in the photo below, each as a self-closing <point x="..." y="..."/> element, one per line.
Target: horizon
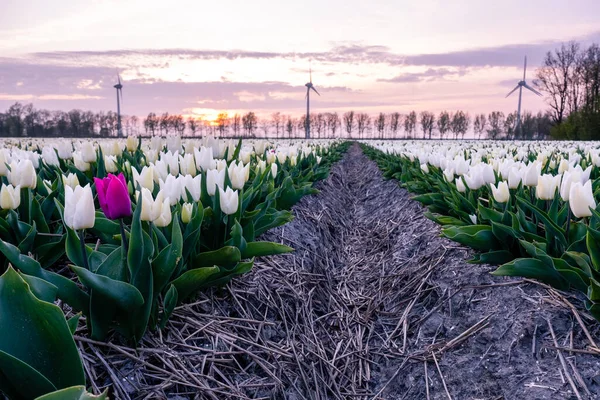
<point x="205" y="61"/>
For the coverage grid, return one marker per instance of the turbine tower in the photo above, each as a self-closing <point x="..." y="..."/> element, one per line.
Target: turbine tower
<point x="520" y="85"/>
<point x="309" y="86"/>
<point x="119" y="88"/>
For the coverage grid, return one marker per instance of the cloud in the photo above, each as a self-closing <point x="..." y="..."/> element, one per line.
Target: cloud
<point x="429" y="75"/>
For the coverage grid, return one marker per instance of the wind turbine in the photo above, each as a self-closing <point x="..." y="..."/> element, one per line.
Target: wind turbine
<point x="309" y="86"/>
<point x="119" y="88"/>
<point x="520" y="85"/>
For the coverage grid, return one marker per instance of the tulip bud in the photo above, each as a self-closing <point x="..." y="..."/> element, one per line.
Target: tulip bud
<point x="514" y="178"/>
<point x="501" y="193"/>
<point x="425" y="168"/>
<point x="274" y="170"/>
<point x="228" y="201"/>
<point x="79" y="212"/>
<point x="10" y="197"/>
<point x="186" y="212"/>
<point x="581" y="199"/>
<point x="473" y="219"/>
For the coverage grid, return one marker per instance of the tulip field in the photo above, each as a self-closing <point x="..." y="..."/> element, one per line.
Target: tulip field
<point x="121" y="232"/>
<point x="178" y="268"/>
<point x="529" y="207"/>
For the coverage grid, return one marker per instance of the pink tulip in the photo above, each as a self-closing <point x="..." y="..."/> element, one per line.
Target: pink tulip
<point x="113" y="196"/>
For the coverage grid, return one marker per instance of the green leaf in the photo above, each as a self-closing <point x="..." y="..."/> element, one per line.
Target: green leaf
<point x="124" y="295"/>
<point x="534" y="269"/>
<point x="165" y="264"/>
<point x="42" y="289"/>
<point x="479" y="237"/>
<point x="171" y="299"/>
<point x="193" y="280"/>
<point x="73" y="322"/>
<point x="74" y="393"/>
<point x="68" y="291"/>
<point x="259" y="249"/>
<point x="495" y="257"/>
<point x="227" y="255"/>
<point x="549" y="225"/>
<point x="38" y="337"/>
<point x="592" y="241"/>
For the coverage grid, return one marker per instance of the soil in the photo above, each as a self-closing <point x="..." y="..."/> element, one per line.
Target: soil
<point x="373" y="304"/>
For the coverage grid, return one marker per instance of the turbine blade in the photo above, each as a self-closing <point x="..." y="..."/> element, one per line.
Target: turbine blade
<point x="119" y="78"/>
<point x="524" y="67"/>
<point x="532" y="89"/>
<point x="313" y="88"/>
<point x="512" y="91"/>
<point x="310" y="72"/>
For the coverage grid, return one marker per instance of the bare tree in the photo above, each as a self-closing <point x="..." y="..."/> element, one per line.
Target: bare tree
<point x="460" y="124"/>
<point x="362" y="122"/>
<point x="394" y="123"/>
<point x="556" y="77"/>
<point x="380" y="125"/>
<point x="495" y="124"/>
<point x="236" y="124"/>
<point x="410" y="123"/>
<point x="443" y="123"/>
<point x="349" y="123"/>
<point x="479" y="124"/>
<point x="427" y="123"/>
<point x="250" y="122"/>
<point x="222" y="123"/>
<point x="277" y="123"/>
<point x="333" y="123"/>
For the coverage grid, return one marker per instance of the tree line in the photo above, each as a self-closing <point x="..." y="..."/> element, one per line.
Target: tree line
<point x="26" y="120"/>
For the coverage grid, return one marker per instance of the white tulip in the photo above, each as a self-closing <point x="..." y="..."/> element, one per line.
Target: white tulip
<point x="214" y="178"/>
<point x="70" y="180"/>
<point x="79" y="162"/>
<point x="164" y="216"/>
<point x="88" y="153"/>
<point x="193" y="185"/>
<point x="546" y="187"/>
<point x="460" y="185"/>
<point x="473" y="219"/>
<point x="274" y="170"/>
<point x="530" y="175"/>
<point x="425" y="168"/>
<point x="501" y="193"/>
<point x="10" y="197"/>
<point x="237" y="175"/>
<point x="22" y="174"/>
<point x="50" y="157"/>
<point x="186" y="212"/>
<point x="228" y="200"/>
<point x="514" y="178"/>
<point x="204" y="159"/>
<point x="172" y="188"/>
<point x="79" y="212"/>
<point x="110" y="162"/>
<point x="145" y="178"/>
<point x="132" y="143"/>
<point x="187" y="166"/>
<point x="581" y="199"/>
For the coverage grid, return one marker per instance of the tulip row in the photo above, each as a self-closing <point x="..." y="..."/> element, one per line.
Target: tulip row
<point x="528" y="207"/>
<point x="144" y="231"/>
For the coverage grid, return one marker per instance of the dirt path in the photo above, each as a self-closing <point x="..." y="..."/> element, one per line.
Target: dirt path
<point x="372" y="302"/>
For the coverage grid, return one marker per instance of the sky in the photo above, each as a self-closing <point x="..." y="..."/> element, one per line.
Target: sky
<point x="199" y="58"/>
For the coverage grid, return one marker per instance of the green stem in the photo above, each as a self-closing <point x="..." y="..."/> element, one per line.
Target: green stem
<point x="86" y="263"/>
<point x="123" y="236"/>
